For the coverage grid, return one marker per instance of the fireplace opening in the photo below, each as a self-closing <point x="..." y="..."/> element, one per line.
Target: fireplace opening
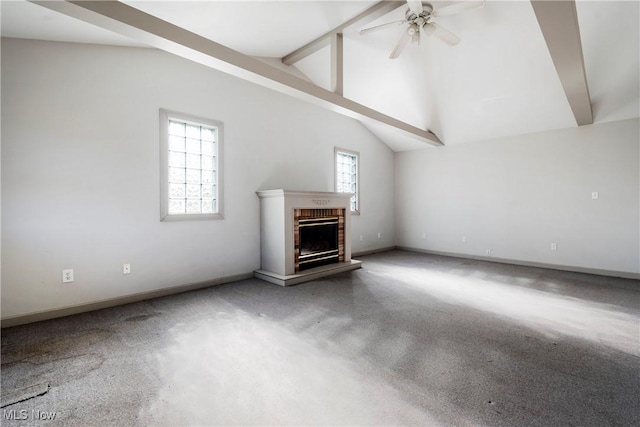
<point x="318" y="243"/>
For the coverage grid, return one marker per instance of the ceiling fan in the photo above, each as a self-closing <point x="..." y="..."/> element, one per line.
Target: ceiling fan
<point x="419" y="20"/>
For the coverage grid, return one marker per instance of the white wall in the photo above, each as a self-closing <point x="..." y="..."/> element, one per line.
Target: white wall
<point x="518" y="195"/>
<point x="80" y="172"/>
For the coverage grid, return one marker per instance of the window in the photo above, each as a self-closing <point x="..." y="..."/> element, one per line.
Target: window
<point x="347" y="176"/>
<point x="191" y="175"/>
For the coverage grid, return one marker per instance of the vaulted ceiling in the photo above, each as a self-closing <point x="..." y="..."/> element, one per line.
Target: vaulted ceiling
<point x="501" y="80"/>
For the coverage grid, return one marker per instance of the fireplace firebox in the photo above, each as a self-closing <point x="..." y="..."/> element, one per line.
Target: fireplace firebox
<point x="318" y="242"/>
<point x="318" y="237"/>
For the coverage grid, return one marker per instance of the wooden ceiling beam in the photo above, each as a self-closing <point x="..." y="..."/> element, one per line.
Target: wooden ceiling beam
<point x="337" y="64"/>
<point x="558" y="21"/>
<point x="374" y="12"/>
<point x="138" y="25"/>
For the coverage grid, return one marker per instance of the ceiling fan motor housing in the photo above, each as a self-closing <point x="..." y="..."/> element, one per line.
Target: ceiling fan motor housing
<point x="427" y="10"/>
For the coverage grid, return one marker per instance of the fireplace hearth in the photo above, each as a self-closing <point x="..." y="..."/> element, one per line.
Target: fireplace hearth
<point x="304" y="235"/>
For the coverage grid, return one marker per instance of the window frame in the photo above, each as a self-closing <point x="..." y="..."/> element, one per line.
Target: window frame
<point x="336" y="151"/>
<point x="165" y="116"/>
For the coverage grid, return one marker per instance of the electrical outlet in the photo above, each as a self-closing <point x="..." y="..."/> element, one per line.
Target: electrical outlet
<point x="464" y="239"/>
<point x="361" y="237"/>
<point x="554" y="246"/>
<point x="126" y="268"/>
<point x="594" y="195"/>
<point x="379" y="235"/>
<point x="67" y="275"/>
<point x="489" y="252"/>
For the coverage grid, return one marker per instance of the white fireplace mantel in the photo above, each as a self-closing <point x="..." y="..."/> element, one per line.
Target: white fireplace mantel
<point x="277" y="234"/>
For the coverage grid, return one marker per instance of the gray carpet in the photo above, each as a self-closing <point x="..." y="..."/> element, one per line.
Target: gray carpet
<point x="410" y="339"/>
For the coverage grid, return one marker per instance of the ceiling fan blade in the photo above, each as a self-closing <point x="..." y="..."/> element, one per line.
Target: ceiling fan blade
<point x="442" y="33"/>
<point x="415" y="6"/>
<point x="458" y="8"/>
<point x="402" y="43"/>
<point x="380" y="27"/>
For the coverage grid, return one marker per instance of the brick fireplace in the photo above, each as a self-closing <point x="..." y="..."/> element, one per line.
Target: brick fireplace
<point x="304" y="235"/>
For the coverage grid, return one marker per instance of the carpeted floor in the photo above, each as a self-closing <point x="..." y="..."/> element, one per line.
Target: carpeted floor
<point x="410" y="339"/>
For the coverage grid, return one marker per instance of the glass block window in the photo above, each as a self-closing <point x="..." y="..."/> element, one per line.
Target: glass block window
<point x="347" y="175"/>
<point x="191" y="167"/>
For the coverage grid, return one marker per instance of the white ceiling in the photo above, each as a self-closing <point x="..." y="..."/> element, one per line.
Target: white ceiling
<point x="499" y="81"/>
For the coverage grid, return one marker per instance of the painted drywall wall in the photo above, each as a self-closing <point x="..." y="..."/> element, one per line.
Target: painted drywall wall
<point x="80" y="172"/>
<point x="518" y="195"/>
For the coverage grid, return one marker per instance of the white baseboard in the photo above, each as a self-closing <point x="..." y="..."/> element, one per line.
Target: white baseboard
<point x="112" y="302"/>
<point x="574" y="269"/>
<point x="372" y="251"/>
